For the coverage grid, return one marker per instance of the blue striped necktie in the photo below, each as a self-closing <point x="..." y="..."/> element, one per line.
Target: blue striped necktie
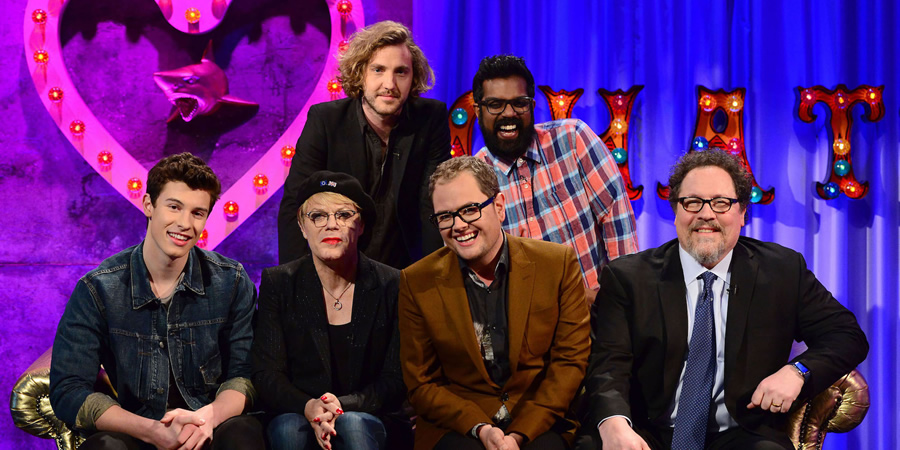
<point x="699" y="375"/>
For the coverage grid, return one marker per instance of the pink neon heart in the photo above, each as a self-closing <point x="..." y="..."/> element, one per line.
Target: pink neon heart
<point x="94" y="143"/>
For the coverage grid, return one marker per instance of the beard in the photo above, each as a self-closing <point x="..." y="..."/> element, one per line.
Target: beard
<point x="387" y="110"/>
<point x="708" y="253"/>
<point x="505" y="149"/>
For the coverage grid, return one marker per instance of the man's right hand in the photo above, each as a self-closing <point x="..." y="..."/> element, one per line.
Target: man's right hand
<point x="617" y="434"/>
<point x="492" y="438"/>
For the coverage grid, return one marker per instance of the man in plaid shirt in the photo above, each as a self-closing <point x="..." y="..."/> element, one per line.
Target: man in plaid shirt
<point x="561" y="182"/>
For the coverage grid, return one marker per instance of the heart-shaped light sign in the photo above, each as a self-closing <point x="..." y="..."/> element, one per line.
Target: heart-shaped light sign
<point x="114" y="163"/>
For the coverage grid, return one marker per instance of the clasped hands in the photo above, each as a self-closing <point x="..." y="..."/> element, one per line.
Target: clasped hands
<point x="321" y="413"/>
<point x="493" y="438"/>
<point x="193" y="429"/>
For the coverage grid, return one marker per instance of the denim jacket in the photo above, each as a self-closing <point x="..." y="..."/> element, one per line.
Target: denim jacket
<point x="114" y="319"/>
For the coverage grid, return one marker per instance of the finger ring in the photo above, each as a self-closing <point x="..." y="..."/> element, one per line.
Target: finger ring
<point x="777" y="406"/>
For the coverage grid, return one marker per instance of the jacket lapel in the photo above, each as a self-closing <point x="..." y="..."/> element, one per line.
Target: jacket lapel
<point x="521" y="286"/>
<point x="744" y="268"/>
<point x="673" y="305"/>
<point x="308" y="293"/>
<point x="459" y="316"/>
<point x="355" y="152"/>
<point x="400" y="152"/>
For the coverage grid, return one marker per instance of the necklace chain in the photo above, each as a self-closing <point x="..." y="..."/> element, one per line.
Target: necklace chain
<point x="337" y="300"/>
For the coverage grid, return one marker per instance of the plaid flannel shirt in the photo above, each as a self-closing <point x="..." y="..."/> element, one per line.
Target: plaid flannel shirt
<point x="567" y="189"/>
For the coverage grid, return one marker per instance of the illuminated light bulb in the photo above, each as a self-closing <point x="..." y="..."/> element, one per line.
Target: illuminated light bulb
<point x="39" y="16"/>
<point x="620" y="155"/>
<point x="850" y="186"/>
<point x="735" y="146"/>
<point x="619" y="103"/>
<point x="344" y="7"/>
<point x="756" y="194"/>
<point x="260" y="183"/>
<point x="808" y="97"/>
<point x="55" y="94"/>
<point x="455" y="150"/>
<point x="41" y="56"/>
<point x="873" y="96"/>
<point x="135" y="186"/>
<point x="287" y="154"/>
<point x="192" y="15"/>
<point x="459" y="117"/>
<point x="707" y="103"/>
<point x="841" y="147"/>
<point x="76" y="127"/>
<point x="841" y="167"/>
<point x="831" y="190"/>
<point x="203" y="239"/>
<point x="105" y="159"/>
<point x="561" y="100"/>
<point x="734" y="103"/>
<point x="334" y="86"/>
<point x="231" y="209"/>
<point x="840" y="100"/>
<point x="618" y="126"/>
<point x="343" y="46"/>
<point x="699" y="143"/>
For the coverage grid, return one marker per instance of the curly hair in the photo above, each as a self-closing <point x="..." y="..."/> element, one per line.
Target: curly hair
<point x="365" y="42"/>
<point x="501" y="66"/>
<point x="186" y="168"/>
<point x="712" y="157"/>
<point x="450" y="169"/>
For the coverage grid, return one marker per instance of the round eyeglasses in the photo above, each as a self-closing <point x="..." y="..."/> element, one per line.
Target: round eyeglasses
<point x="342" y="217"/>
<point x="717" y="205"/>
<point x="468" y="214"/>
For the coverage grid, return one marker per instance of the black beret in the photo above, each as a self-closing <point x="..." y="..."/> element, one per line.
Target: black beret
<point x="346" y="185"/>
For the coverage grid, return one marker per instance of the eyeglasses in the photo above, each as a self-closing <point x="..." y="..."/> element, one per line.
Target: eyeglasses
<point x="718" y="205"/>
<point x="467" y="214"/>
<point x="496" y="106"/>
<point x="342" y="217"/>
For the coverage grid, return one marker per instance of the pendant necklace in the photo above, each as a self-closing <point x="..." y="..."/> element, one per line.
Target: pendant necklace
<point x="337" y="300"/>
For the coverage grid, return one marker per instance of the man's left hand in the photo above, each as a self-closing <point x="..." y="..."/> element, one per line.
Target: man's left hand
<point x="198" y="426"/>
<point x="778" y="391"/>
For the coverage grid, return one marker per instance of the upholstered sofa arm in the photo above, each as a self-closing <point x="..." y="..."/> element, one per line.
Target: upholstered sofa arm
<point x="29" y="404"/>
<point x="839" y="409"/>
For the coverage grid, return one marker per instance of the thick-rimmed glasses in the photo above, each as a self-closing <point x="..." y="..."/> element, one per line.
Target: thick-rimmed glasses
<point x="468" y="214"/>
<point x="717" y="205"/>
<point x="343" y="217"/>
<point x="496" y="106"/>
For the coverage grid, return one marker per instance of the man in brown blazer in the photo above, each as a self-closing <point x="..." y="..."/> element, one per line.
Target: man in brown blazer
<point x="494" y="329"/>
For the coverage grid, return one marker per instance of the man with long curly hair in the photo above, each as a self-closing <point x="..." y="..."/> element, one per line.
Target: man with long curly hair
<point x="385" y="135"/>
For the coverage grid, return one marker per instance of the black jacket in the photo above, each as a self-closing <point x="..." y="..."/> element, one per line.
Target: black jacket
<point x="291" y="354"/>
<point x="332" y="140"/>
<point x="639" y="331"/>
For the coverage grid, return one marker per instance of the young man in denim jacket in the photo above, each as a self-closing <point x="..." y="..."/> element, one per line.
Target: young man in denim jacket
<point x="171" y="325"/>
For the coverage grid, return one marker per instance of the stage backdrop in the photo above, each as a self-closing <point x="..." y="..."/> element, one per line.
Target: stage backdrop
<point x="60" y="218"/>
<point x="768" y="47"/>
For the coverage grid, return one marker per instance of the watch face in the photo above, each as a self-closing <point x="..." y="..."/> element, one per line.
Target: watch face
<point x="799" y="365"/>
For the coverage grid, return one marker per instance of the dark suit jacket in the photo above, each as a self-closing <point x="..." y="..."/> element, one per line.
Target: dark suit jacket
<point x="291" y="353"/>
<point x="332" y="140"/>
<point x="449" y="386"/>
<point x="639" y="330"/>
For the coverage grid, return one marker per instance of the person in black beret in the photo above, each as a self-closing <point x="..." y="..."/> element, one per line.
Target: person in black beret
<point x="326" y="347"/>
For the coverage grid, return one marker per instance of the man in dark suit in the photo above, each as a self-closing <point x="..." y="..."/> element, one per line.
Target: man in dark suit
<point x="692" y="340"/>
<point x="495" y="328"/>
<point x="383" y="134"/>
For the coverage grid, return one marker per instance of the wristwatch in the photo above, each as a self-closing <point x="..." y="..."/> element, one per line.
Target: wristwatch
<point x="474" y="431"/>
<point x="804" y="372"/>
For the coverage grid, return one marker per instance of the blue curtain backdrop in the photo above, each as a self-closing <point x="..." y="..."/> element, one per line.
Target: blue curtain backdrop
<point x="769" y="48"/>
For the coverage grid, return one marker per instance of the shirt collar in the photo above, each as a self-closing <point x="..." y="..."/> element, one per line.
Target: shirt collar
<point x="693" y="269"/>
<point x="142" y="293"/>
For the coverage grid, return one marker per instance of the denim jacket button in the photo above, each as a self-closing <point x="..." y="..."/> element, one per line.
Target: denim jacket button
<point x="162" y="344"/>
<point x="160" y="391"/>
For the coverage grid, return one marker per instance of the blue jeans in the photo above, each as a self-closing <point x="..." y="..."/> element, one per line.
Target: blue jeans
<point x="355" y="430"/>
